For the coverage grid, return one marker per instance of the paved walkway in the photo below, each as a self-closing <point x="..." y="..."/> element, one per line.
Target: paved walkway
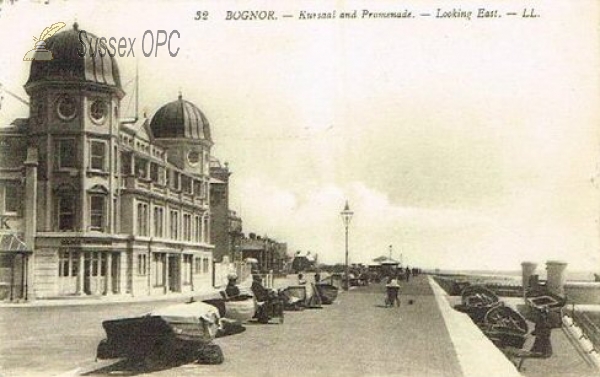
<point x="359" y="336"/>
<point x="356" y="336"/>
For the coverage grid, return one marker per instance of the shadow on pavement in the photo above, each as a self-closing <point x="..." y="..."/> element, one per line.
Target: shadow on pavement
<point x="133" y="368"/>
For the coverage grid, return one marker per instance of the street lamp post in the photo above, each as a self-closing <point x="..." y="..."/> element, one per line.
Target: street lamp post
<point x="346" y="217"/>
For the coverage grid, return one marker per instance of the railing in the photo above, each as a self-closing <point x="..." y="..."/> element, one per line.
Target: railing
<point x="590" y="329"/>
<point x="583" y="334"/>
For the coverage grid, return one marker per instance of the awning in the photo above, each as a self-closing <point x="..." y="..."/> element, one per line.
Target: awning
<point x="216" y="180"/>
<point x="10" y="242"/>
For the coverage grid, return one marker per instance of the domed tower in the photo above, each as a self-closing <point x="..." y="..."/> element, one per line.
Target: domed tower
<point x="184" y="131"/>
<point x="74" y="109"/>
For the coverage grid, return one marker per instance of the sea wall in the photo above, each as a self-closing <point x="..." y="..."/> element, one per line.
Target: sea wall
<point x="582" y="292"/>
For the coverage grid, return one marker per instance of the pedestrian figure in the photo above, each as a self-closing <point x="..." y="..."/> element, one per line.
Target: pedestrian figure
<point x="261" y="294"/>
<point x="301" y="280"/>
<point x="232" y="289"/>
<point x="407" y="273"/>
<point x="317" y="277"/>
<point x="392" y="289"/>
<point x="542" y="331"/>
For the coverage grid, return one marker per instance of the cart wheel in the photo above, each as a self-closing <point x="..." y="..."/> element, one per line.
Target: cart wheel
<point x="211" y="354"/>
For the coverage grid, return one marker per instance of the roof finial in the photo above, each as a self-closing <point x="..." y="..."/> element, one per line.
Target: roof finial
<point x="180" y="96"/>
<point x="75" y="26"/>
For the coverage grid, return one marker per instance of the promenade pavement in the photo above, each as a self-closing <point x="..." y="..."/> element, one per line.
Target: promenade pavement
<point x="359" y="336"/>
<point x="356" y="336"/>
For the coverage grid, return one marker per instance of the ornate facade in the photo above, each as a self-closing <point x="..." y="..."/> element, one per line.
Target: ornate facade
<point x="102" y="205"/>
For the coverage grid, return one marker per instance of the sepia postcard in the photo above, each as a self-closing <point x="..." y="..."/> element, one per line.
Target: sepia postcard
<point x="413" y="185"/>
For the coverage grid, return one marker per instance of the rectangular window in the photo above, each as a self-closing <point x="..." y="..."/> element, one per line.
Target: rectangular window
<point x="158" y="221"/>
<point x="97" y="212"/>
<point x="142" y="264"/>
<point x="186" y="184"/>
<point x="205" y="230"/>
<point x="75" y="258"/>
<point x="116" y="160"/>
<point x="94" y="263"/>
<point x="174" y="223"/>
<point x="98" y="155"/>
<point x="154" y="172"/>
<point x="198" y="265"/>
<point x="12" y="198"/>
<point x="159" y="269"/>
<point x="66" y="213"/>
<point x="141" y="168"/>
<point x="197" y="228"/>
<point x="116" y="215"/>
<point x="125" y="163"/>
<point x="142" y="219"/>
<point x="64" y="263"/>
<point x="67" y="156"/>
<point x="187" y="227"/>
<point x="68" y="263"/>
<point x="103" y="264"/>
<point x="205" y="265"/>
<point x="187" y="269"/>
<point x="175" y="182"/>
<point x="197" y="188"/>
<point x="161" y="176"/>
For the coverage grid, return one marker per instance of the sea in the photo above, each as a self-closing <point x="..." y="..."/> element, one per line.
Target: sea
<point x="510" y="276"/>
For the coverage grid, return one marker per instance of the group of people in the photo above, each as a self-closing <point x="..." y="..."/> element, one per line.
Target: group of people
<point x="258" y="290"/>
<point x="262" y="295"/>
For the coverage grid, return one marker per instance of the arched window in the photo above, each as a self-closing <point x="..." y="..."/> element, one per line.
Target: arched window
<point x="97" y="199"/>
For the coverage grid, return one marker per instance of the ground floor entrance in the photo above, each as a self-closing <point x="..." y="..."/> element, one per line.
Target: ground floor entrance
<point x="89" y="272"/>
<point x="174" y="274"/>
<point x="92" y="267"/>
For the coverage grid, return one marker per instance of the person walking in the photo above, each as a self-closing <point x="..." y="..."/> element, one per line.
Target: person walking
<point x="392" y="290"/>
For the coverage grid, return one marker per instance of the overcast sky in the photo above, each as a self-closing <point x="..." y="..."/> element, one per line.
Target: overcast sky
<point x="464" y="144"/>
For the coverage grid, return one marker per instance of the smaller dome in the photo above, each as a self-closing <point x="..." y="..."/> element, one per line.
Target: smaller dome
<point x="180" y="119"/>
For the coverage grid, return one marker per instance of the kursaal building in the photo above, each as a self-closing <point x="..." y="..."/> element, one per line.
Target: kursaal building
<point x="93" y="204"/>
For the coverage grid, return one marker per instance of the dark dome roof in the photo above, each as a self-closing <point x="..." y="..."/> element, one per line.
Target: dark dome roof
<point x="180" y="119"/>
<point x="68" y="66"/>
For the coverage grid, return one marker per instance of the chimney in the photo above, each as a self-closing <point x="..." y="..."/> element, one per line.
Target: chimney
<point x="527" y="269"/>
<point x="555" y="281"/>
